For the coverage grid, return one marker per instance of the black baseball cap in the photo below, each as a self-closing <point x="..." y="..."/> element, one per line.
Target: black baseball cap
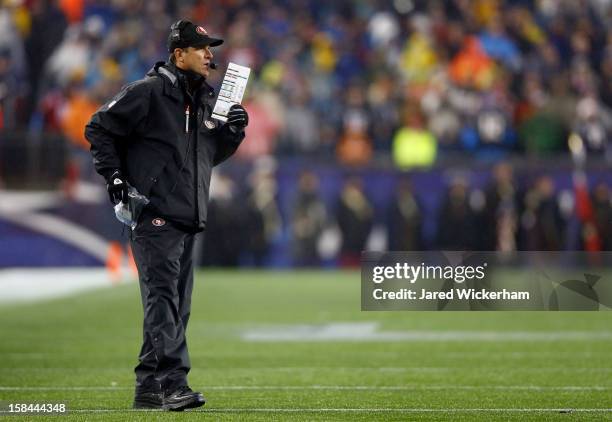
<point x="185" y="34"/>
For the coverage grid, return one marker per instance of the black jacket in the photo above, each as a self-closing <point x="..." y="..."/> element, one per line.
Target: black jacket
<point x="142" y="132"/>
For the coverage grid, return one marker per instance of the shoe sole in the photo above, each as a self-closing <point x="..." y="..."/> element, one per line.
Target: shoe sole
<point x="147" y="404"/>
<point x="186" y="404"/>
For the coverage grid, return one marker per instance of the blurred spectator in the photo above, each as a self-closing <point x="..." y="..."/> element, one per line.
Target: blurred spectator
<point x="498" y="45"/>
<point x="13" y="65"/>
<point x="73" y="9"/>
<point x="541" y="221"/>
<point x="543" y="134"/>
<point x="594" y="124"/>
<point x="354" y="147"/>
<point x="405" y="220"/>
<point x="501" y="211"/>
<point x="265" y="123"/>
<point x="8" y="83"/>
<point x="300" y="133"/>
<point x="456" y="220"/>
<point x="384" y="116"/>
<point x="492" y="133"/>
<point x="77" y="52"/>
<point x="419" y="58"/>
<point x="14" y="25"/>
<point x="413" y="144"/>
<point x="602" y="207"/>
<point x="606" y="72"/>
<point x="40" y="45"/>
<point x="560" y="105"/>
<point x="224" y="237"/>
<point x="354" y="215"/>
<point x="262" y="220"/>
<point x="76" y="113"/>
<point x="308" y="221"/>
<point x="472" y="67"/>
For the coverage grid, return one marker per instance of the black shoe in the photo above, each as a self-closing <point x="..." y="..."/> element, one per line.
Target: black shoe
<point x="148" y="396"/>
<point x="183" y="398"/>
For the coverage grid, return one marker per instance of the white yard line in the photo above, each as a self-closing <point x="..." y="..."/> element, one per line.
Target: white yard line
<point x="354" y="410"/>
<point x="424" y="369"/>
<point x="369" y="331"/>
<point x="336" y="387"/>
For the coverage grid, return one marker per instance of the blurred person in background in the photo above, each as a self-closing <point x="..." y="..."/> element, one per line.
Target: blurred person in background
<point x="355" y="217"/>
<point x="40" y="45"/>
<point x="354" y="147"/>
<point x="491" y="133"/>
<point x="300" y="133"/>
<point x="594" y="125"/>
<point x="266" y="108"/>
<point x="606" y="72"/>
<point x="14" y="23"/>
<point x="413" y="144"/>
<point x="405" y="220"/>
<point x="224" y="237"/>
<point x="501" y="211"/>
<point x="80" y="48"/>
<point x="456" y="219"/>
<point x="602" y="209"/>
<point x="262" y="219"/>
<point x="384" y="120"/>
<point x="308" y="221"/>
<point x="8" y="83"/>
<point x="158" y="136"/>
<point x="542" y="224"/>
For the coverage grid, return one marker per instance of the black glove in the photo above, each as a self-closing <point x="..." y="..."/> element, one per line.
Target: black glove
<point x="237" y="118"/>
<point x="117" y="188"/>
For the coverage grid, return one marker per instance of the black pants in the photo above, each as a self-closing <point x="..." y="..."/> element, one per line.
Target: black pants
<point x="164" y="258"/>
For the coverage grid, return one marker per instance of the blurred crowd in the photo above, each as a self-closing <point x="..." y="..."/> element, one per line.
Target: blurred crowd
<point x="405" y="81"/>
<point x="361" y="84"/>
<point x="507" y="213"/>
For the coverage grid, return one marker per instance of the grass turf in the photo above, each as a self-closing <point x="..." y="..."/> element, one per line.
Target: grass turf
<point x="81" y="350"/>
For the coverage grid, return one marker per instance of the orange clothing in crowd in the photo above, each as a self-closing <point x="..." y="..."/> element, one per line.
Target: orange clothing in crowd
<point x="75" y="116"/>
<point x="354" y="148"/>
<point x="472" y="67"/>
<point x="73" y="10"/>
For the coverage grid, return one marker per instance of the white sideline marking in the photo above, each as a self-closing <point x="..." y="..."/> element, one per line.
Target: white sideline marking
<point x="428" y="369"/>
<point x="339" y="387"/>
<point x="29" y="285"/>
<point x="368" y="331"/>
<point x="346" y="409"/>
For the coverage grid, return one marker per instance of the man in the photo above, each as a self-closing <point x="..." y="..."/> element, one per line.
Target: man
<point x="158" y="136"/>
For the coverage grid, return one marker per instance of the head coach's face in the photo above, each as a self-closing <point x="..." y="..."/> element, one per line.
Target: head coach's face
<point x="190" y="45"/>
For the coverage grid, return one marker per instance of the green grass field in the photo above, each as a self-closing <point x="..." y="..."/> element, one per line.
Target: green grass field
<point x="457" y="366"/>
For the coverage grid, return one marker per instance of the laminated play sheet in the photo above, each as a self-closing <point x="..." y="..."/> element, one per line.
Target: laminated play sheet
<point x="232" y="90"/>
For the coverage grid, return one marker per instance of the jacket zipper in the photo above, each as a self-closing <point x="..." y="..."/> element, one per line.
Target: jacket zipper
<point x="187" y="119"/>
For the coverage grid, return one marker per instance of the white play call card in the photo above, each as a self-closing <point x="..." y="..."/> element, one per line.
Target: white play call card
<point x="232" y="90"/>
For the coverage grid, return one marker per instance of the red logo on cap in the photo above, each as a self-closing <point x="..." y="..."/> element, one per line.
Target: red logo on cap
<point x="201" y="30"/>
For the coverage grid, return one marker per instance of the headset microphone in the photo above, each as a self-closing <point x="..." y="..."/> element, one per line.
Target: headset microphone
<point x="212" y="65"/>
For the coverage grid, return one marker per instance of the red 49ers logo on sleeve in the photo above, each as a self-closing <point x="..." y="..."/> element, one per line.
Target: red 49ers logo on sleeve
<point x="158" y="222"/>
